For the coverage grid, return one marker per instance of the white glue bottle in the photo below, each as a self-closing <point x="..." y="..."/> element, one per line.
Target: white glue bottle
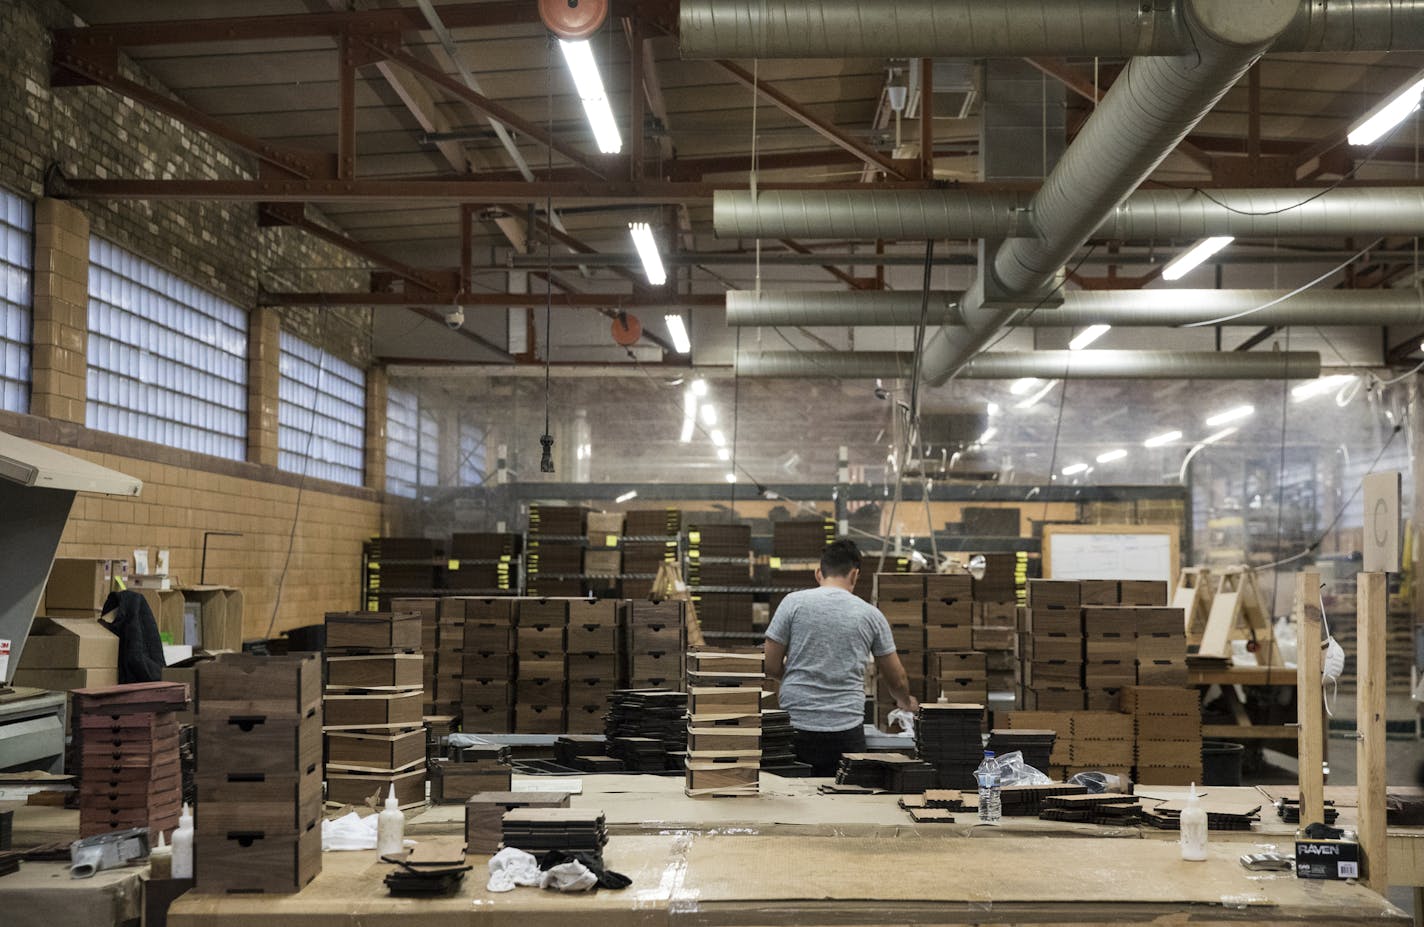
<point x="1193" y="825"/>
<point x="390" y="827"/>
<point x="183" y="845"/>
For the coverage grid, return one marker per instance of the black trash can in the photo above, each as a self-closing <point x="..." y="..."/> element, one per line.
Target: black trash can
<point x="1221" y="762"/>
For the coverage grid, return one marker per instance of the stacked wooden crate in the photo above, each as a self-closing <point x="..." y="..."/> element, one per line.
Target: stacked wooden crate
<point x="724" y="723"/>
<point x="467" y="771"/>
<point x="554" y="559"/>
<point x="957" y="676"/>
<point x="1110" y="654"/>
<point x="901" y="599"/>
<point x="374" y="655"/>
<point x="1053" y="647"/>
<point x="541" y="666"/>
<point x="603" y="558"/>
<point x="129" y="773"/>
<point x="996" y="620"/>
<point x="592" y="645"/>
<point x="949" y="612"/>
<point x="650" y="539"/>
<point x="487" y="681"/>
<point x="718" y="566"/>
<point x="258" y="813"/>
<point x="484" y="563"/>
<point x="1161" y="646"/>
<point x="429" y="611"/>
<point x="655" y="644"/>
<point x="1169" y="739"/>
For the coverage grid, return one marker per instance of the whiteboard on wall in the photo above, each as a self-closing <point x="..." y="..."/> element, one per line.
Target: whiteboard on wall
<point x="1110" y="552"/>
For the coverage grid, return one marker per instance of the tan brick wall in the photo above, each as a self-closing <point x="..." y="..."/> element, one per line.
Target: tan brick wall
<point x="179" y="503"/>
<point x="61" y="315"/>
<point x="264" y="353"/>
<point x="376" y="385"/>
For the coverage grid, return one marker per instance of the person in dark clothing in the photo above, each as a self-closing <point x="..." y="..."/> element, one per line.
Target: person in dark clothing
<point x="140" y="647"/>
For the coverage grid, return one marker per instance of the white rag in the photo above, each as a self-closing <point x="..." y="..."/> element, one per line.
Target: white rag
<point x="511" y="867"/>
<point x="572" y="876"/>
<point x="349" y="832"/>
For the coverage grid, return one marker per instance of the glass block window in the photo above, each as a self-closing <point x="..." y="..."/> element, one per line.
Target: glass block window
<point x="17" y="230"/>
<point x="429" y="449"/>
<point x="412" y="444"/>
<point x="473" y="465"/>
<point x="167" y="360"/>
<point x="321" y="414"/>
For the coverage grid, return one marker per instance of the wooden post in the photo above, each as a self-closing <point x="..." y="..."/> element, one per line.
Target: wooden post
<point x="1372" y="596"/>
<point x="1310" y="716"/>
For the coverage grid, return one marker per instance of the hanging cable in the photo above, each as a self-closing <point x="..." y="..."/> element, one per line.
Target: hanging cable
<point x="1296" y="292"/>
<point x="546" y="440"/>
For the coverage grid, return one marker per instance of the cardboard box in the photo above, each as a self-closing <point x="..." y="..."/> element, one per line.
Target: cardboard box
<point x="1103" y="725"/>
<point x="69" y="643"/>
<point x="1327" y="859"/>
<point x="167" y="608"/>
<point x="1169" y="753"/>
<point x="219" y="617"/>
<point x="63" y="680"/>
<point x="81" y="585"/>
<point x="1161" y="700"/>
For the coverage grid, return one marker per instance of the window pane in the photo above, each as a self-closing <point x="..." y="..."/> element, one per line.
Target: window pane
<point x="321" y="414"/>
<point x="17" y="227"/>
<point x="167" y="361"/>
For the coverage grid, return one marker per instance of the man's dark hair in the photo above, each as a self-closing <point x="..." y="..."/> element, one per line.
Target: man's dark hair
<point x="839" y="558"/>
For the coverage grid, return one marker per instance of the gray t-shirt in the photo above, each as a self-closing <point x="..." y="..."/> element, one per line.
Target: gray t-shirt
<point x="829" y="635"/>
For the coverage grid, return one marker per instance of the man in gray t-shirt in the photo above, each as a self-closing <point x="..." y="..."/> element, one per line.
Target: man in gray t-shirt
<point x="818" y="645"/>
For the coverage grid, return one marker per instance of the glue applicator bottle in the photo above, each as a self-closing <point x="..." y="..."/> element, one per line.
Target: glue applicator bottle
<point x="1193" y="825"/>
<point x="183" y="845"/>
<point x="160" y="860"/>
<point x="390" y="827"/>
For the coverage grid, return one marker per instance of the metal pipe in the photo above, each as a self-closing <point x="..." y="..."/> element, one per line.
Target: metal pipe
<point x="1138" y="258"/>
<point x="1120" y="308"/>
<point x="1014" y="28"/>
<point x="1045" y="365"/>
<point x="1148" y="111"/>
<point x="1266" y="213"/>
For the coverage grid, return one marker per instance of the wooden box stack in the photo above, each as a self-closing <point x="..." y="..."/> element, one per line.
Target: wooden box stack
<point x="129" y="774"/>
<point x="996" y="633"/>
<point x="949" y="612"/>
<point x="719" y="558"/>
<point x="656" y="641"/>
<point x="484" y="816"/>
<point x="484" y="563"/>
<point x="1161" y="646"/>
<point x="429" y="611"/>
<point x="541" y="666"/>
<point x="1169" y="740"/>
<point x="447" y="655"/>
<point x="258" y="813"/>
<point x="1087" y="740"/>
<point x="1110" y="649"/>
<point x="724" y="723"/>
<point x="603" y="559"/>
<point x="592" y="645"/>
<point x="957" y="676"/>
<point x="469" y="771"/>
<point x="487" y="681"/>
<point x="901" y="599"/>
<point x="1061" y="724"/>
<point x="1053" y="648"/>
<point x="553" y="563"/>
<point x="651" y="539"/>
<point x="374" y="656"/>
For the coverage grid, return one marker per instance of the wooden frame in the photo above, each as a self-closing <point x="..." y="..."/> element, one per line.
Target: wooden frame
<point x="1172" y="533"/>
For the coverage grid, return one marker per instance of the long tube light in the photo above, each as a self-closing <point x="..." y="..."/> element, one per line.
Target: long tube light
<point x="628" y="496"/>
<point x="647" y="247"/>
<point x="1223" y="433"/>
<point x="1193" y="257"/>
<point x="1312" y="388"/>
<point x="579" y="57"/>
<point x="678" y="330"/>
<point x="1087" y="336"/>
<point x="1393" y="110"/>
<point x="1074" y="469"/>
<point x="689" y="415"/>
<point x="1167" y="437"/>
<point x="1023" y="385"/>
<point x="1031" y="401"/>
<point x="719" y="439"/>
<point x="709" y="414"/>
<point x="1230" y="415"/>
<point x="1111" y="456"/>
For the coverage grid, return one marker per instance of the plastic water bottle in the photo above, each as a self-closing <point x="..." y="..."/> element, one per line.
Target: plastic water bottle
<point x="988" y="776"/>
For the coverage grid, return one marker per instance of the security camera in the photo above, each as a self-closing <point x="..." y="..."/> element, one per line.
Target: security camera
<point x="455" y="318"/>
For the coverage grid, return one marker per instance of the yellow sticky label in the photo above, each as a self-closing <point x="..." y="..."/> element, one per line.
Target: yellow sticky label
<point x="693" y="554"/>
<point x="504" y="558"/>
<point x="611" y="540"/>
<point x="694" y="537"/>
<point x="454" y="564"/>
<point x="776" y="563"/>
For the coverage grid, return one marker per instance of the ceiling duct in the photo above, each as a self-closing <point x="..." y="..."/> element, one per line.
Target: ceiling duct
<point x="1148" y="111"/>
<point x="1015" y="28"/>
<point x="1046" y="365"/>
<point x="1119" y="308"/>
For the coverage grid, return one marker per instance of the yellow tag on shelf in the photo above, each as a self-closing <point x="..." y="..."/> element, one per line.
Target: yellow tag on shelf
<point x="454" y="564"/>
<point x="694" y="537"/>
<point x="611" y="540"/>
<point x="504" y="558"/>
<point x="776" y="563"/>
<point x="693" y="554"/>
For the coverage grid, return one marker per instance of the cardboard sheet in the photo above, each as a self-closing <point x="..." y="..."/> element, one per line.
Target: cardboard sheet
<point x="43" y="895"/>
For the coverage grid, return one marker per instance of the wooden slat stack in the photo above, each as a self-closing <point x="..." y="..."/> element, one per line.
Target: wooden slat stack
<point x="129" y="773"/>
<point x="724" y="724"/>
<point x="592" y="644"/>
<point x="487" y="678"/>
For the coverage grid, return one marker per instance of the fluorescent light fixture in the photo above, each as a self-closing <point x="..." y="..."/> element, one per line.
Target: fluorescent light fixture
<point x="1230" y="415"/>
<point x="988" y="435"/>
<point x="1034" y="400"/>
<point x="647" y="247"/>
<point x="1166" y="437"/>
<point x="1398" y="107"/>
<point x="731" y="477"/>
<point x="699" y="388"/>
<point x="1112" y="455"/>
<point x="687" y="428"/>
<point x="1223" y="433"/>
<point x="709" y="415"/>
<point x="718" y="438"/>
<point x="723" y="454"/>
<point x="1074" y="469"/>
<point x="628" y="496"/>
<point x="1192" y="258"/>
<point x="1312" y="388"/>
<point x="1023" y="386"/>
<point x="680" y="342"/>
<point x="993" y="408"/>
<point x="579" y="57"/>
<point x="689" y="414"/>
<point x="1087" y="336"/>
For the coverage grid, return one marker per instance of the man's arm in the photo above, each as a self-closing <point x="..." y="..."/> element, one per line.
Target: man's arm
<point x="775" y="653"/>
<point x="893" y="672"/>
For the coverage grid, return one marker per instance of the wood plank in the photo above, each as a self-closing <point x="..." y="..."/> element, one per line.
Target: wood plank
<point x="1309" y="698"/>
<point x="1373" y="599"/>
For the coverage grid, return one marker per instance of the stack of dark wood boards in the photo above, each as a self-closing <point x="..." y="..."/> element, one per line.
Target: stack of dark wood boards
<point x="585" y="753"/>
<point x="778" y="745"/>
<point x="650" y="539"/>
<point x="947" y="736"/>
<point x="487" y="664"/>
<point x="258" y="817"/>
<point x="656" y="642"/>
<point x="553" y="561"/>
<point x="484" y="815"/>
<point x="724" y="723"/>
<point x="885" y="772"/>
<point x="719" y="566"/>
<point x="1107" y="808"/>
<point x="374" y="657"/>
<point x="1221" y="813"/>
<point x="1035" y="745"/>
<point x="129" y="773"/>
<point x="938" y="806"/>
<point x="1026" y="801"/>
<point x="540" y="830"/>
<point x="639" y="715"/>
<point x="541" y="675"/>
<point x="466" y="771"/>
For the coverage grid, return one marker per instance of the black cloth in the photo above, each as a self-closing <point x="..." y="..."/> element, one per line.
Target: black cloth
<point x="140" y="647"/>
<point x="607" y="878"/>
<point x="821" y="750"/>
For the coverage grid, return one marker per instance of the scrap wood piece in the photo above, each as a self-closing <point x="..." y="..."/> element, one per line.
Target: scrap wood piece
<point x="931" y="816"/>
